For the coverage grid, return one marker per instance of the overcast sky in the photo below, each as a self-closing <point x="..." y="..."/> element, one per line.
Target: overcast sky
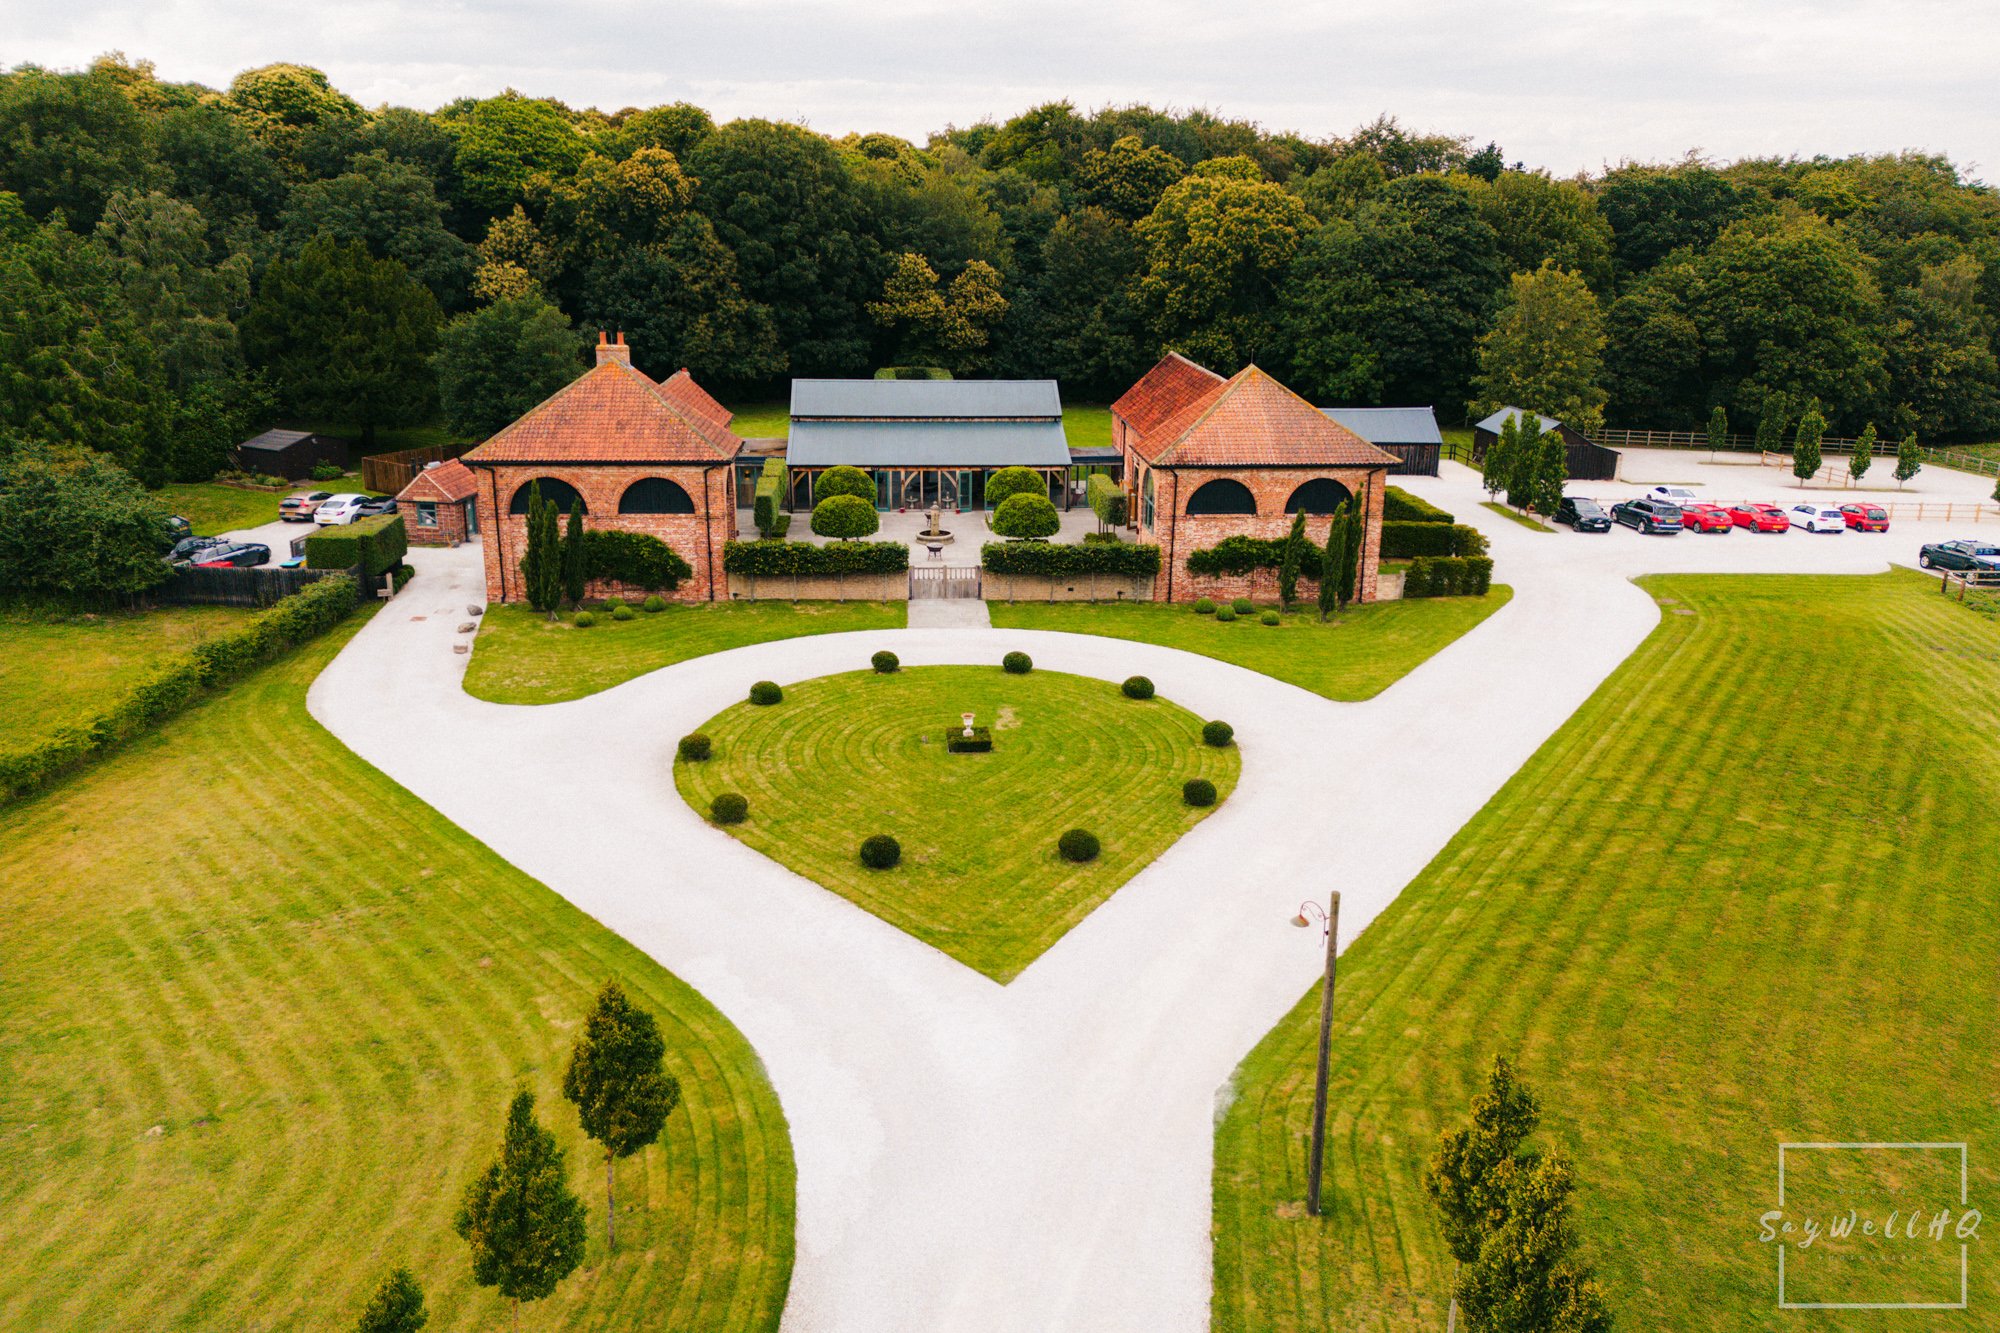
<point x="1562" y="84"/>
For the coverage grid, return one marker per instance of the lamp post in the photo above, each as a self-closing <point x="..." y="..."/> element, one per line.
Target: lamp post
<point x="1308" y="913"/>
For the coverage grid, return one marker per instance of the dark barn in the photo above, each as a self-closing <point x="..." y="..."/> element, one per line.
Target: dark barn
<point x="1588" y="460"/>
<point x="1410" y="433"/>
<point x="291" y="454"/>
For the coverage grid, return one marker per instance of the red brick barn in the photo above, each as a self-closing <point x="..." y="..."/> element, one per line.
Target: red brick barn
<point x="647" y="457"/>
<point x="437" y="505"/>
<point x="1207" y="458"/>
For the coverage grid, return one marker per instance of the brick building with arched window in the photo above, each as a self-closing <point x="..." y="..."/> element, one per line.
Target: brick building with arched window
<point x="1208" y="458"/>
<point x="655" y="458"/>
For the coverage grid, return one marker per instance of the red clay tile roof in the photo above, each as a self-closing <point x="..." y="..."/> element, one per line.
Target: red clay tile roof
<point x="1162" y="391"/>
<point x="1251" y="420"/>
<point x="680" y="387"/>
<point x="445" y="482"/>
<point x="613" y="414"/>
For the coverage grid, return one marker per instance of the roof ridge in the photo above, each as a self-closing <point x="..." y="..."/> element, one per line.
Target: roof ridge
<point x="1221" y="392"/>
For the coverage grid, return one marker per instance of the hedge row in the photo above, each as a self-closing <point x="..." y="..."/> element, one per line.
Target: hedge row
<point x="765" y="510"/>
<point x="1244" y="555"/>
<point x="1401" y="541"/>
<point x="1062" y="561"/>
<point x="1448" y="576"/>
<point x="804" y="558"/>
<point x="296" y="620"/>
<point x="1399" y="506"/>
<point x="377" y="544"/>
<point x="635" y="559"/>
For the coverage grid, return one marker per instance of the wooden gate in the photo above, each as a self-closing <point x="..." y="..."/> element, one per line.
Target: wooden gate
<point x="944" y="581"/>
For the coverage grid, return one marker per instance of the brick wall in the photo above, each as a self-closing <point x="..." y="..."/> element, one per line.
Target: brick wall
<point x="1178" y="534"/>
<point x="698" y="537"/>
<point x="450" y="529"/>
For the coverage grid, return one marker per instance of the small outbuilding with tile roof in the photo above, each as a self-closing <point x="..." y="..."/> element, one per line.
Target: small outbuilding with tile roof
<point x="1207" y="458"/>
<point x="437" y="506"/>
<point x="642" y="457"/>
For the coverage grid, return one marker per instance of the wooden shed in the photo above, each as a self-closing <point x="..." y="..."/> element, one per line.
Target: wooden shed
<point x="291" y="454"/>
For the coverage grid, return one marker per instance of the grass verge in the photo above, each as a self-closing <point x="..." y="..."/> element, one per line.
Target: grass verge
<point x="1525" y="520"/>
<point x="260" y="1016"/>
<point x="844" y="757"/>
<point x="213" y="508"/>
<point x="56" y="666"/>
<point x="1700" y="938"/>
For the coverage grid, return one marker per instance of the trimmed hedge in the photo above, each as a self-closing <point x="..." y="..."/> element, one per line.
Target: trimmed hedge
<point x="765" y="693"/>
<point x="845" y="518"/>
<point x="1399" y="506"/>
<point x="765" y="508"/>
<point x="1269" y="618"/>
<point x="179" y="682"/>
<point x="1009" y="482"/>
<point x="654" y="603"/>
<point x="1449" y="576"/>
<point x="1107" y="500"/>
<point x="1137" y="687"/>
<point x="623" y="613"/>
<point x="1217" y="734"/>
<point x="584" y="619"/>
<point x="1063" y="560"/>
<point x="879" y="851"/>
<point x="1225" y="614"/>
<point x="1204" y="607"/>
<point x="844" y="480"/>
<point x="957" y="742"/>
<point x="695" y="747"/>
<point x="1400" y="541"/>
<point x="1078" y="844"/>
<point x="1025" y="517"/>
<point x="1242" y="606"/>
<point x="1017" y="664"/>
<point x="729" y="808"/>
<point x="1198" y="792"/>
<point x="377" y="544"/>
<point x="636" y="559"/>
<point x="885" y="662"/>
<point x="1244" y="555"/>
<point x="805" y="558"/>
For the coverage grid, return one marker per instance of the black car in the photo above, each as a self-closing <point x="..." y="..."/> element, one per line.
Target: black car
<point x="186" y="549"/>
<point x="380" y="504"/>
<point x="1964" y="553"/>
<point x="1585" y="515"/>
<point x="1649" y="516"/>
<point x="241" y="555"/>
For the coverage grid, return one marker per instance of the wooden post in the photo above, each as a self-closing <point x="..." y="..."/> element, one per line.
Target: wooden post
<point x="1317" y="1152"/>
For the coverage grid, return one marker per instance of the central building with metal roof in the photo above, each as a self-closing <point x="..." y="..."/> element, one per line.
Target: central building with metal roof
<point x="927" y="442"/>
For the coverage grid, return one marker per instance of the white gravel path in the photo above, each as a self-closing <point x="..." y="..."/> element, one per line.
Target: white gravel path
<point x="1035" y="1156"/>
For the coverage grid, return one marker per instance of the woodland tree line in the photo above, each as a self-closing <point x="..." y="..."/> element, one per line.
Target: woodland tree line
<point x="182" y="265"/>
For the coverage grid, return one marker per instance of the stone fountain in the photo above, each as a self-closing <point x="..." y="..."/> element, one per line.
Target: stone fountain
<point x="933" y="535"/>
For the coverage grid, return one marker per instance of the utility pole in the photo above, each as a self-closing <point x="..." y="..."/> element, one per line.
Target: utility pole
<point x="1316" y="1154"/>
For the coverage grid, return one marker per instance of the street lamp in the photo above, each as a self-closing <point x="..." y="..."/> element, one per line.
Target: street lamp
<point x="1308" y="913"/>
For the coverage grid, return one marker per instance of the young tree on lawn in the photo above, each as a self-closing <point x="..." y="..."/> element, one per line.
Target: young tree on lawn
<point x="525" y="1228"/>
<point x="1463" y="1177"/>
<point x="1909" y="459"/>
<point x="1499" y="457"/>
<point x="572" y="555"/>
<point x="623" y="1094"/>
<point x="1551" y="471"/>
<point x="1805" y="443"/>
<point x="1329" y="564"/>
<point x="1288" y="564"/>
<point x="1771" y="423"/>
<point x="1527" y="1278"/>
<point x="396" y="1307"/>
<point x="1864" y="453"/>
<point x="1525" y="461"/>
<point x="1718" y="428"/>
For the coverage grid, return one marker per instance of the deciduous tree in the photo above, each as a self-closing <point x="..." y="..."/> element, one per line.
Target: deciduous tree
<point x="619" y="1084"/>
<point x="525" y="1227"/>
<point x="493" y="364"/>
<point x="1806" y="457"/>
<point x="1909" y="459"/>
<point x="1863" y="456"/>
<point x="1545" y="349"/>
<point x="396" y="1307"/>
<point x="74" y="526"/>
<point x="1466" y="1175"/>
<point x="1217" y="248"/>
<point x="1026" y="517"/>
<point x="1527" y="1277"/>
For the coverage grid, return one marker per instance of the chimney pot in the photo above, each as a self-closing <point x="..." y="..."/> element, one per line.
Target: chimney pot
<point x="607" y="350"/>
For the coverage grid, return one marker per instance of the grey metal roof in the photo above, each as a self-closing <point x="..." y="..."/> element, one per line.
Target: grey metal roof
<point x="1389" y="425"/>
<point x="937" y="400"/>
<point x="1498" y="420"/>
<point x="275" y="439"/>
<point x="927" y="443"/>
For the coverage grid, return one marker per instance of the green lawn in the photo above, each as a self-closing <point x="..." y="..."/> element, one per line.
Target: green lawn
<point x="214" y="508"/>
<point x="1525" y="520"/>
<point x="522" y="657"/>
<point x="761" y="421"/>
<point x="1085" y="424"/>
<point x="261" y="1011"/>
<point x="843" y="757"/>
<point x="388" y="439"/>
<point x="1749" y="894"/>
<point x="55" y="667"/>
<point x="1088" y="425"/>
<point x="1357" y="656"/>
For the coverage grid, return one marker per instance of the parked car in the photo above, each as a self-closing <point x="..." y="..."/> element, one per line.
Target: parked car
<point x="1818" y="518"/>
<point x="375" y="504"/>
<point x="1962" y="553"/>
<point x="235" y="555"/>
<point x="299" y="506"/>
<point x="1759" y="517"/>
<point x="1680" y="497"/>
<point x="188" y="549"/>
<point x="1583" y="514"/>
<point x="1706" y="518"/>
<point x="337" y="509"/>
<point x="1649" y="515"/>
<point x="1866" y="518"/>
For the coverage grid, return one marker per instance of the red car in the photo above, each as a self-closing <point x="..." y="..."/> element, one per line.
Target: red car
<point x="1706" y="518"/>
<point x="1866" y="518"/>
<point x="1759" y="517"/>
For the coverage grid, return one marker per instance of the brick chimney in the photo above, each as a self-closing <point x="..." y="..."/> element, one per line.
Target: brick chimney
<point x="609" y="350"/>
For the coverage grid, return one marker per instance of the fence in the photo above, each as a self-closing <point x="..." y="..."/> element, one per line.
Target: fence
<point x="1943" y="511"/>
<point x="241" y="587"/>
<point x="1958" y="459"/>
<point x="385" y="474"/>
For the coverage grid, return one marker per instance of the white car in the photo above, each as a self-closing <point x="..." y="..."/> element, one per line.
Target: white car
<point x="1680" y="497"/>
<point x="1817" y="518"/>
<point x="339" y="509"/>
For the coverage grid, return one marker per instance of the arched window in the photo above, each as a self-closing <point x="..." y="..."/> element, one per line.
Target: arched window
<point x="1321" y="495"/>
<point x="655" y="495"/>
<point x="553" y="488"/>
<point x="1222" y="496"/>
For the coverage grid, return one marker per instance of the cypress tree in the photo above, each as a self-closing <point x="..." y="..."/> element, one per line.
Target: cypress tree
<point x="1909" y="459"/>
<point x="545" y="543"/>
<point x="1525" y="463"/>
<point x="617" y="1080"/>
<point x="1805" y="444"/>
<point x="1718" y="428"/>
<point x="1864" y="453"/>
<point x="1350" y="556"/>
<point x="1329" y="563"/>
<point x="572" y="555"/>
<point x="1551" y="471"/>
<point x="1288" y="565"/>
<point x="525" y="1228"/>
<point x="396" y="1307"/>
<point x="531" y="560"/>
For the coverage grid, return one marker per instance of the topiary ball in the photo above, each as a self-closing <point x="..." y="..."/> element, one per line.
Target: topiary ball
<point x="1137" y="687"/>
<point x="1078" y="845"/>
<point x="879" y="851"/>
<point x="624" y="613"/>
<point x="583" y="620"/>
<point x="1243" y="606"/>
<point x="613" y="603"/>
<point x="1217" y="734"/>
<point x="884" y="662"/>
<point x="1017" y="664"/>
<point x="655" y="603"/>
<point x="1203" y="607"/>
<point x="1269" y="618"/>
<point x="1224" y="613"/>
<point x="1198" y="792"/>
<point x="729" y="808"/>
<point x="766" y="692"/>
<point x="696" y="746"/>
